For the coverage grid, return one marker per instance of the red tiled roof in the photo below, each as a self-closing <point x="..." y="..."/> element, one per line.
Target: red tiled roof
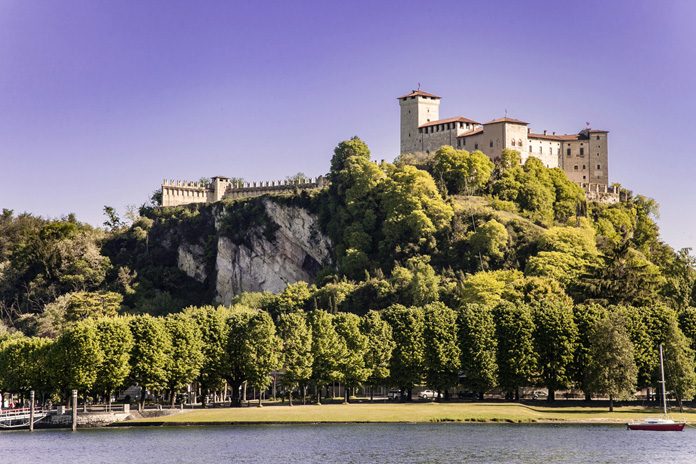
<point x="558" y="137"/>
<point x="506" y="119"/>
<point x="470" y="133"/>
<point x="418" y="93"/>
<point x="445" y="121"/>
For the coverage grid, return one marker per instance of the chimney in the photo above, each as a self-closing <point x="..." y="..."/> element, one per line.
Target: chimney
<point x="544" y="131"/>
<point x="529" y="130"/>
<point x="554" y="132"/>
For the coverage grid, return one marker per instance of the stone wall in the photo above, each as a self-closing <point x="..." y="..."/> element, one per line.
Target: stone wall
<point x="181" y="192"/>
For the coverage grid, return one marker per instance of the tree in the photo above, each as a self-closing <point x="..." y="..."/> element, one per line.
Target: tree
<point x="441" y="357"/>
<point x="554" y="338"/>
<point x="478" y="345"/>
<point x="623" y="276"/>
<point x="116" y="343"/>
<point x="461" y="171"/>
<point x="380" y="346"/>
<point x="611" y="367"/>
<point x="644" y="352"/>
<point x="328" y="349"/>
<point x="679" y="364"/>
<point x="585" y="317"/>
<point x="297" y="351"/>
<point x="516" y="358"/>
<point x="490" y="241"/>
<point x="413" y="212"/>
<point x="261" y="349"/>
<point x="352" y="365"/>
<point x="236" y="356"/>
<point x="150" y="356"/>
<point x="407" y="359"/>
<point x="351" y="212"/>
<point x="113" y="222"/>
<point x="212" y="324"/>
<point x="416" y="283"/>
<point x="687" y="323"/>
<point x="186" y="356"/>
<point x="77" y="356"/>
<point x="24" y="364"/>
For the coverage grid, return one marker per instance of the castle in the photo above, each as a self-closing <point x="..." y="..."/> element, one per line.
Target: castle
<point x="584" y="156"/>
<point x="181" y="192"/>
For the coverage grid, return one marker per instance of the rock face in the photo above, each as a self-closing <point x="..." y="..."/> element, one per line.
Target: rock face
<point x="191" y="260"/>
<point x="275" y="246"/>
<point x="297" y="252"/>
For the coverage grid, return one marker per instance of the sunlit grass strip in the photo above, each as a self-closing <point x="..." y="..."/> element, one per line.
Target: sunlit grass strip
<point x="405" y="413"/>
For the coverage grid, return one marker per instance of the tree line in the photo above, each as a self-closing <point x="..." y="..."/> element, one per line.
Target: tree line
<point x="605" y="351"/>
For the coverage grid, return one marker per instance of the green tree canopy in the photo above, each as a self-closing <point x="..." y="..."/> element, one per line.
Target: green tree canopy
<point x="297" y="357"/>
<point x="611" y="368"/>
<point x="515" y="356"/>
<point x="442" y="354"/>
<point x="479" y="346"/>
<point x="555" y="338"/>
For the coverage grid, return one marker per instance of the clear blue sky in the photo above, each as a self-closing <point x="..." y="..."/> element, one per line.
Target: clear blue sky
<point x="100" y="100"/>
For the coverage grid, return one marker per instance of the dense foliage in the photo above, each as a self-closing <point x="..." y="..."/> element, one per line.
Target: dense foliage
<point x="449" y="269"/>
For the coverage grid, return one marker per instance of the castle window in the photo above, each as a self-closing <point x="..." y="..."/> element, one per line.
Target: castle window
<point x="519" y="142"/>
<point x="461" y="124"/>
<point x="491" y="144"/>
<point x="583" y="166"/>
<point x="582" y="151"/>
<point x="584" y="177"/>
<point x="575" y="168"/>
<point x="541" y="150"/>
<point x="568" y="152"/>
<point x="598" y="137"/>
<point x="599" y="167"/>
<point x="530" y="149"/>
<point x="559" y="152"/>
<point x="476" y="146"/>
<point x="513" y="142"/>
<point x="420" y="130"/>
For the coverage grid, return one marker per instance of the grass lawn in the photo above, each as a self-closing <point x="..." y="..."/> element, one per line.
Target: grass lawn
<point x="405" y="412"/>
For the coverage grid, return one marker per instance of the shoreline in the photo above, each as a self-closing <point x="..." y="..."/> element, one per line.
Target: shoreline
<point x="401" y="413"/>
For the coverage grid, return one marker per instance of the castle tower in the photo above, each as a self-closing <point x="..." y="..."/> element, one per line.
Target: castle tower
<point x="417" y="108"/>
<point x="220" y="185"/>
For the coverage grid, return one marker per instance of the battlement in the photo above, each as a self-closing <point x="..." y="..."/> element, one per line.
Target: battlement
<point x="601" y="192"/>
<point x="183" y="192"/>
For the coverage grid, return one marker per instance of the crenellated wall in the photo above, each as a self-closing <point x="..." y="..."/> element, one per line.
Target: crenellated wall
<point x="181" y="192"/>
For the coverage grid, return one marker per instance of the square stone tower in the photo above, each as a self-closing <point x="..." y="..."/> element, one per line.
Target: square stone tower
<point x="417" y="108"/>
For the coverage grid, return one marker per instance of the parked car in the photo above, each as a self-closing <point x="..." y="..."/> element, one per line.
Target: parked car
<point x="467" y="395"/>
<point x="394" y="394"/>
<point x="539" y="394"/>
<point x="428" y="395"/>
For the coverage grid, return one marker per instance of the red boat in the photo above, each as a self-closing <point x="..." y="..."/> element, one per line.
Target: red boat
<point x="657" y="425"/>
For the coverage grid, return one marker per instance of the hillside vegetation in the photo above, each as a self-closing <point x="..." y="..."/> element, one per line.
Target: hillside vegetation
<point x="501" y="274"/>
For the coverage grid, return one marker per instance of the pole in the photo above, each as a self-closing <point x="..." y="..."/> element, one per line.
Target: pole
<point x="31" y="412"/>
<point x="74" y="410"/>
<point x="664" y="384"/>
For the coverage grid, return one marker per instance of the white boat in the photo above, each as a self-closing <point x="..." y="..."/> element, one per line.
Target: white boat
<point x="663" y="424"/>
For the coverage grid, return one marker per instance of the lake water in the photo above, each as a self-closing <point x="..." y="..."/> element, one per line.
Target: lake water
<point x="353" y="443"/>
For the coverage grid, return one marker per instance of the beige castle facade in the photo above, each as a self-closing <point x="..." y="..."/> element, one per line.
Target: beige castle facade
<point x="584" y="156"/>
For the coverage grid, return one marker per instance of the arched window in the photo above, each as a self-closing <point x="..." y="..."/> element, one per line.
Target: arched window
<point x="519" y="142"/>
<point x="513" y="142"/>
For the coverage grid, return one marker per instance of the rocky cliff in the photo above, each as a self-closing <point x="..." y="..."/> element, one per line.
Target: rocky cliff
<point x="259" y="244"/>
